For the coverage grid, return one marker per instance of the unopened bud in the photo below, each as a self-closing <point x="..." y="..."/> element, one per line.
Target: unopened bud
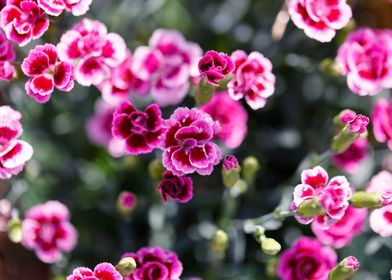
<point x="219" y="242"/>
<point x="250" y="167"/>
<point x="126" y="202"/>
<point x="371" y="199"/>
<point x="230" y="171"/>
<point x="345" y="269"/>
<point x="270" y="246"/>
<point x="310" y="208"/>
<point x="126" y="266"/>
<point x="155" y="169"/>
<point x="14" y="230"/>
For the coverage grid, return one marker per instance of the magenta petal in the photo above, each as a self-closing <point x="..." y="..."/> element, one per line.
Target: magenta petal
<point x="137" y="144"/>
<point x="42" y="85"/>
<point x="122" y="126"/>
<point x="35" y="64"/>
<point x="64" y="75"/>
<point x="181" y="162"/>
<point x="21" y="153"/>
<point x="198" y="158"/>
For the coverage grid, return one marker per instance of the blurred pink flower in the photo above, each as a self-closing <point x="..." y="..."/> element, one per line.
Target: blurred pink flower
<point x="188" y="146"/>
<point x="127" y="201"/>
<point x="306" y="259"/>
<point x="77" y="7"/>
<point x="230" y="162"/>
<point x="52" y="7"/>
<point x="46" y="73"/>
<point x="214" y="66"/>
<point x="382" y="121"/>
<point x="232" y="117"/>
<point x="5" y="214"/>
<point x="253" y="79"/>
<point x="94" y="51"/>
<point x="155" y="263"/>
<point x="46" y="230"/>
<point x="175" y="187"/>
<point x="103" y="271"/>
<point x="23" y="21"/>
<point x="320" y="18"/>
<point x="351" y="158"/>
<point x="366" y="59"/>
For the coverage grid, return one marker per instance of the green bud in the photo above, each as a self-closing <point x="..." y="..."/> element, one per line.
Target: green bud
<point x="230" y="177"/>
<point x="14" y="230"/>
<point x="126" y="266"/>
<point x="343" y="140"/>
<point x="345" y="269"/>
<point x="204" y="93"/>
<point x="310" y="208"/>
<point x="270" y="246"/>
<point x="219" y="242"/>
<point x="366" y="200"/>
<point x="155" y="169"/>
<point x="271" y="267"/>
<point x="250" y="167"/>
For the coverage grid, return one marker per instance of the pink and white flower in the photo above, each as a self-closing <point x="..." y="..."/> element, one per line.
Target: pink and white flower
<point x="366" y="59"/>
<point x="214" y="66"/>
<point x="46" y="230"/>
<point x="77" y="7"/>
<point x="23" y="21"/>
<point x="94" y="51"/>
<point x="188" y="146"/>
<point x="382" y="121"/>
<point x="253" y="79"/>
<point x="46" y="73"/>
<point x="102" y="271"/>
<point x="320" y="18"/>
<point x="350" y="160"/>
<point x="56" y="7"/>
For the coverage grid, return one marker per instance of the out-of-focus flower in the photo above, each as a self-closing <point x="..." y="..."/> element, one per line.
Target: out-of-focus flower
<point x="141" y="131"/>
<point x="77" y="7"/>
<point x="306" y="259"/>
<point x="155" y="263"/>
<point x="175" y="187"/>
<point x="5" y="214"/>
<point x="23" y="21"/>
<point x="253" y="79"/>
<point x="103" y="271"/>
<point x="46" y="230"/>
<point x="188" y="146"/>
<point x="230" y="171"/>
<point x="345" y="269"/>
<point x="126" y="202"/>
<point x="7" y="71"/>
<point x="46" y="73"/>
<point x="99" y="129"/>
<point x="231" y="116"/>
<point x="94" y="51"/>
<point x="382" y="121"/>
<point x="341" y="234"/>
<point x="333" y="196"/>
<point x="320" y="18"/>
<point x="214" y="66"/>
<point x="7" y="55"/>
<point x="351" y="158"/>
<point x="366" y="59"/>
<point x="167" y="64"/>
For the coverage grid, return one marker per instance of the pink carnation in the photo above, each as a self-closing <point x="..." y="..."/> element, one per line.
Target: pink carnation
<point x="366" y="59"/>
<point x="306" y="259"/>
<point x="77" y="7"/>
<point x="103" y="271"/>
<point x="382" y="121"/>
<point x="333" y="195"/>
<point x="7" y="71"/>
<point x="46" y="230"/>
<point x="232" y="117"/>
<point x="99" y="129"/>
<point x="94" y="51"/>
<point x="214" y="66"/>
<point x="320" y="18"/>
<point x="141" y="131"/>
<point x="167" y="64"/>
<point x="6" y="49"/>
<point x="381" y="219"/>
<point x="253" y="79"/>
<point x="155" y="263"/>
<point x="351" y="158"/>
<point x="341" y="234"/>
<point x="23" y="21"/>
<point x="230" y="162"/>
<point x="175" y="187"/>
<point x="46" y="73"/>
<point x="189" y="146"/>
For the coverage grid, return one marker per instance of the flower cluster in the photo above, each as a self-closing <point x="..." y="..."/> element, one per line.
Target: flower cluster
<point x="366" y="59"/>
<point x="7" y="55"/>
<point x="155" y="263"/>
<point x="46" y="230"/>
<point x="14" y="153"/>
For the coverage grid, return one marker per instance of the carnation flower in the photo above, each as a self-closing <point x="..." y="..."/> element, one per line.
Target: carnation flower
<point x="46" y="73"/>
<point x="155" y="263"/>
<point x="188" y="145"/>
<point x="77" y="7"/>
<point x="382" y="121"/>
<point x="232" y="117"/>
<point x="351" y="158"/>
<point x="320" y="18"/>
<point x="141" y="131"/>
<point x="46" y="230"/>
<point x="253" y="79"/>
<point x="175" y="187"/>
<point x="366" y="59"/>
<point x="306" y="259"/>
<point x="103" y="271"/>
<point x="23" y="21"/>
<point x="214" y="66"/>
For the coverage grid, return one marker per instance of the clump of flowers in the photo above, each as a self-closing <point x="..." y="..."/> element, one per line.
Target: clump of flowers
<point x="253" y="79"/>
<point x="56" y="8"/>
<point x="189" y="146"/>
<point x="214" y="66"/>
<point x="382" y="121"/>
<point x="155" y="263"/>
<point x="102" y="271"/>
<point x="46" y="230"/>
<point x="232" y="117"/>
<point x="46" y="73"/>
<point x="366" y="58"/>
<point x="320" y="18"/>
<point x="14" y="153"/>
<point x="175" y="187"/>
<point x="141" y="131"/>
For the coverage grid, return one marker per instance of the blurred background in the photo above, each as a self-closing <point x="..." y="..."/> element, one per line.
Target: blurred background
<point x="295" y="124"/>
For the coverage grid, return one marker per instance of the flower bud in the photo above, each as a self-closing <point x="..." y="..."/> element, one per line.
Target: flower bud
<point x="250" y="167"/>
<point x="345" y="269"/>
<point x="126" y="202"/>
<point x="310" y="208"/>
<point x="155" y="169"/>
<point x="126" y="266"/>
<point x="270" y="246"/>
<point x="14" y="229"/>
<point x="219" y="242"/>
<point x="371" y="199"/>
<point x="230" y="171"/>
